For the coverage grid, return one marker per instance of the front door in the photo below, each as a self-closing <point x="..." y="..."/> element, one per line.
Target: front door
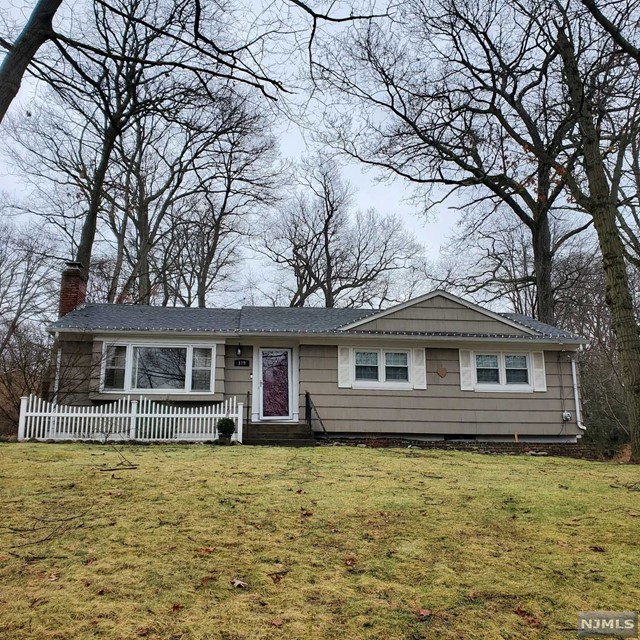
<point x="275" y="384"/>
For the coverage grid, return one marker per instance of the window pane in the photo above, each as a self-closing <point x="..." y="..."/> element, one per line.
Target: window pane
<point x="396" y="366"/>
<point x="487" y="362"/>
<point x="367" y="357"/>
<point x="114" y="379"/>
<point x="115" y="367"/>
<point x="365" y="372"/>
<point x="397" y="373"/>
<point x="394" y="359"/>
<point x="201" y="358"/>
<point x="160" y="367"/>
<point x="201" y="380"/>
<point x="488" y="375"/>
<point x="516" y="362"/>
<point x="116" y="356"/>
<point x="487" y="371"/>
<point x="517" y="376"/>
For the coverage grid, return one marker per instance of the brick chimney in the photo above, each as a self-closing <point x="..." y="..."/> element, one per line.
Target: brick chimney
<point x="73" y="288"/>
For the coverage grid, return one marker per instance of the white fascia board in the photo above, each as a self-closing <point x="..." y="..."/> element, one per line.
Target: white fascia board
<point x="159" y="337"/>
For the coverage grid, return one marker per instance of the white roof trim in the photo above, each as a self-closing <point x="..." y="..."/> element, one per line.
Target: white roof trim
<point x="449" y="296"/>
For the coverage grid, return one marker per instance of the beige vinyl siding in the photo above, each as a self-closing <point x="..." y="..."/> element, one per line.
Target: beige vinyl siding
<point x="440" y="314"/>
<point x="76" y="369"/>
<point x="440" y="409"/>
<point x="238" y="379"/>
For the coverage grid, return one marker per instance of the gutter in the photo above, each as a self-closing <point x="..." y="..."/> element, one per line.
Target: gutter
<point x="341" y="335"/>
<point x="56" y="379"/>
<point x="576" y="395"/>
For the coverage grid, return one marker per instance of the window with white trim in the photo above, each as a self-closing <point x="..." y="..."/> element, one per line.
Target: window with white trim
<point x="115" y="367"/>
<point x="156" y="368"/>
<point x="508" y="371"/>
<point x="381" y="368"/>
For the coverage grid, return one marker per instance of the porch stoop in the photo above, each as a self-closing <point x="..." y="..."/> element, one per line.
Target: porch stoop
<point x="284" y="434"/>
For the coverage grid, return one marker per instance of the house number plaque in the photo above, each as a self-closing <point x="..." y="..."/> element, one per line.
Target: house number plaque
<point x="240" y="363"/>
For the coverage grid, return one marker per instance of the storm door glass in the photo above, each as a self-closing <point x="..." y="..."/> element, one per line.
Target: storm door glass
<point x="275" y="383"/>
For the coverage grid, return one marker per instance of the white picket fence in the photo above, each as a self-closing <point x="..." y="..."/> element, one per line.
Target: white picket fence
<point x="141" y="420"/>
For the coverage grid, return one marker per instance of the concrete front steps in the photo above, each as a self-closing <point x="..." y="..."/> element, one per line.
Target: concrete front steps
<point x="284" y="434"/>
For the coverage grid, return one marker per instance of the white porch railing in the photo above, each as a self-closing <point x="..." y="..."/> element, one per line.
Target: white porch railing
<point x="125" y="419"/>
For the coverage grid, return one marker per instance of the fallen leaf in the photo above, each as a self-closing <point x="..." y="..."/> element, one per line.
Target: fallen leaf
<point x="276" y="578"/>
<point x="203" y="551"/>
<point x="562" y="543"/>
<point x="299" y="491"/>
<point x="143" y="631"/>
<point x="425" y="613"/>
<point x="277" y="623"/>
<point x="238" y="584"/>
<point x="598" y="549"/>
<point x="100" y="592"/>
<point x="528" y="618"/>
<point x="306" y="513"/>
<point x="176" y="606"/>
<point x="37" y="602"/>
<point x="55" y="575"/>
<point x="350" y="562"/>
<point x="204" y="581"/>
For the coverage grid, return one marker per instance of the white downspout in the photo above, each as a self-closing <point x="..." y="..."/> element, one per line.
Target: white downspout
<point x="576" y="395"/>
<point x="56" y="380"/>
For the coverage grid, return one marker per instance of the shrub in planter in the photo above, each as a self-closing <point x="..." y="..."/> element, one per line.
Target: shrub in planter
<point x="226" y="427"/>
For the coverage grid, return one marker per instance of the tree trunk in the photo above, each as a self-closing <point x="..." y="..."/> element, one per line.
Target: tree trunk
<point x="603" y="209"/>
<point x="36" y="32"/>
<point x="90" y="224"/>
<point x="543" y="268"/>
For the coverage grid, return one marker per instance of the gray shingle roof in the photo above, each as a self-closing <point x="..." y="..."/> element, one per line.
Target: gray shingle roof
<point x="307" y="319"/>
<point x="129" y="317"/>
<point x="117" y="317"/>
<point x="545" y="329"/>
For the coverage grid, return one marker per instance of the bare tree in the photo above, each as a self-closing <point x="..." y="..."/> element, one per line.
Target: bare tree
<point x="465" y="99"/>
<point x="201" y="249"/>
<point x="605" y="102"/>
<point x="193" y="28"/>
<point x="332" y="255"/>
<point x="27" y="290"/>
<point x="129" y="147"/>
<point x="491" y="260"/>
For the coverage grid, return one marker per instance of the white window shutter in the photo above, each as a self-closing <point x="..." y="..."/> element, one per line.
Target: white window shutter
<point x="466" y="370"/>
<point x="344" y="367"/>
<point x="419" y="369"/>
<point x="539" y="375"/>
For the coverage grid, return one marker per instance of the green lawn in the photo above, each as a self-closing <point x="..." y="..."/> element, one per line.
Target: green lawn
<point x="332" y="542"/>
